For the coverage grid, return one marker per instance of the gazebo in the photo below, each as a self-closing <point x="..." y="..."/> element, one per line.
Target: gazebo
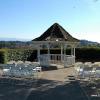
<point x="56" y="35"/>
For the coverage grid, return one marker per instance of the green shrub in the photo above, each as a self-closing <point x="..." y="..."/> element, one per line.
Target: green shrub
<point x="3" y="57"/>
<point x="88" y="54"/>
<point x="20" y="54"/>
<point x="17" y="54"/>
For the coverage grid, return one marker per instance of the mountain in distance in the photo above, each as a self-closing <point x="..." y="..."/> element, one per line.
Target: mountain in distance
<point x="13" y="39"/>
<point x="21" y="39"/>
<point x="5" y="42"/>
<point x="88" y="43"/>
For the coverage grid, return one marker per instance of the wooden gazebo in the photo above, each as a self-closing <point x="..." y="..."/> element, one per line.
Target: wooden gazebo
<point x="56" y="35"/>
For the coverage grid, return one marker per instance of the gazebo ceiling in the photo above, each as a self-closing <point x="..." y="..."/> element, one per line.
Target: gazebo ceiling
<point x="56" y="33"/>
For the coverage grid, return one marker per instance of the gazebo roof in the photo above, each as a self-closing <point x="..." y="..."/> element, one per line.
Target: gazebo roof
<point x="56" y="33"/>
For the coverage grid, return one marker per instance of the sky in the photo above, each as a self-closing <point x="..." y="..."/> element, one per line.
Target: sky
<point x="28" y="19"/>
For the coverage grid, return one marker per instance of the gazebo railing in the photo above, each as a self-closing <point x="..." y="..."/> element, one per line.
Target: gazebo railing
<point x="66" y="60"/>
<point x="69" y="60"/>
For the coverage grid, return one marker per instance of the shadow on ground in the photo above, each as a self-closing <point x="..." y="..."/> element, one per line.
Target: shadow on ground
<point x="42" y="90"/>
<point x="57" y="91"/>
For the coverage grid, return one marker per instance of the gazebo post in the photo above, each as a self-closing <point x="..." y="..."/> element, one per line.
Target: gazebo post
<point x="38" y="53"/>
<point x="64" y="49"/>
<point x="65" y="57"/>
<point x="73" y="50"/>
<point x="64" y="53"/>
<point x="61" y="52"/>
<point x="48" y="45"/>
<point x="72" y="53"/>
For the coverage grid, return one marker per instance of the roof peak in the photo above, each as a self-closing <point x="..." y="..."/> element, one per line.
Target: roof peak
<point x="55" y="24"/>
<point x="54" y="32"/>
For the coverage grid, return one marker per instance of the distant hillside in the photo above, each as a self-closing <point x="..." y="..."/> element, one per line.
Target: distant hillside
<point x="28" y="44"/>
<point x="87" y="43"/>
<point x="15" y="44"/>
<point x="13" y="39"/>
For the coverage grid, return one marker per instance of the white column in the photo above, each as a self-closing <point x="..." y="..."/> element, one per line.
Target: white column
<point x="74" y="51"/>
<point x="64" y="49"/>
<point x="38" y="53"/>
<point x="61" y="52"/>
<point x="48" y="59"/>
<point x="74" y="55"/>
<point x="48" y="51"/>
<point x="65" y="64"/>
<point x="64" y="52"/>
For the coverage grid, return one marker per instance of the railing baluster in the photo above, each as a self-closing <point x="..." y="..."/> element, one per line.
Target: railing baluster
<point x="56" y="58"/>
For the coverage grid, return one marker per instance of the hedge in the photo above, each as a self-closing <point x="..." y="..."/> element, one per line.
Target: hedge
<point x="88" y="54"/>
<point x="17" y="54"/>
<point x="20" y="54"/>
<point x="82" y="54"/>
<point x="3" y="56"/>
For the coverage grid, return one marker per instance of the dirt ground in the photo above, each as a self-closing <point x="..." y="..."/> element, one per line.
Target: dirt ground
<point x="57" y="75"/>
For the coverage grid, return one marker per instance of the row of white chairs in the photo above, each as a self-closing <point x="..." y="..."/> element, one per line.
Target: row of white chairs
<point x="20" y="62"/>
<point x="88" y="70"/>
<point x="20" y="70"/>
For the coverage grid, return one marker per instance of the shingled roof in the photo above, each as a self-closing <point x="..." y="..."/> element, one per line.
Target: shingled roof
<point x="56" y="33"/>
